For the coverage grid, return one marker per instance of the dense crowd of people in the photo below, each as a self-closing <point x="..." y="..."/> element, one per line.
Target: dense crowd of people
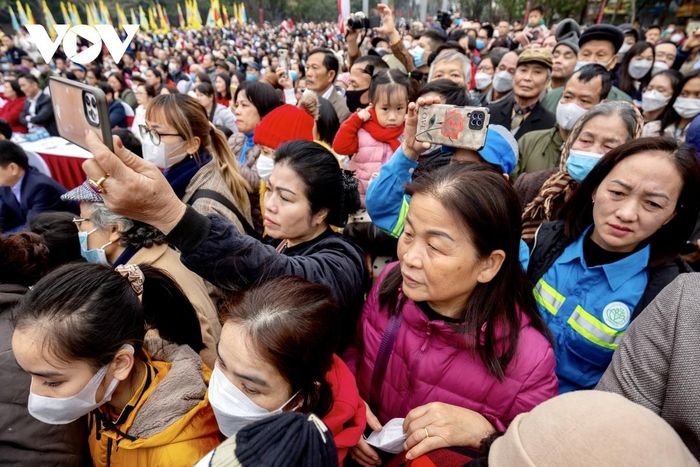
<point x="277" y="264"/>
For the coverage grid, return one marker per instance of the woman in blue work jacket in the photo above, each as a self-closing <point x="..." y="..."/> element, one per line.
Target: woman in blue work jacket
<point x="615" y="247"/>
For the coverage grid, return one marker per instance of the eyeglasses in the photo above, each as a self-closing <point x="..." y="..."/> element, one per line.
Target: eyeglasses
<point x="153" y="134"/>
<point x="79" y="220"/>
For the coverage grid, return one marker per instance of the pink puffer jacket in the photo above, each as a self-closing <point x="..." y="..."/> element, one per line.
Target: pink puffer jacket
<point x="370" y="157"/>
<point x="431" y="362"/>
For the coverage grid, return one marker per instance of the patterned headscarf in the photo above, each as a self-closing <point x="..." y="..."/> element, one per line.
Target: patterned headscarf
<point x="558" y="188"/>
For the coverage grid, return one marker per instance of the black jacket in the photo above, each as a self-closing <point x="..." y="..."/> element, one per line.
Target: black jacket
<point x="539" y="118"/>
<point x="213" y="248"/>
<point x="43" y="114"/>
<point x="550" y="243"/>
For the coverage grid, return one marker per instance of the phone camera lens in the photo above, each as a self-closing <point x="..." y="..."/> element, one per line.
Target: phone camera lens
<point x="476" y="120"/>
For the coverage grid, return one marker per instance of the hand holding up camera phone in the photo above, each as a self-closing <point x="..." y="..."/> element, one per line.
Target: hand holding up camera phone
<point x="454" y="126"/>
<point x="80" y="108"/>
<point x="411" y="147"/>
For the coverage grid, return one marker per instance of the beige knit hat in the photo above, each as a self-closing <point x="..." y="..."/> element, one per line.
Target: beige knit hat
<point x="589" y="428"/>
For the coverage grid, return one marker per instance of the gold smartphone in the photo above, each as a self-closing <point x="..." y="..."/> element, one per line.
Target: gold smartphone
<point x="77" y="108"/>
<point x="454" y="126"/>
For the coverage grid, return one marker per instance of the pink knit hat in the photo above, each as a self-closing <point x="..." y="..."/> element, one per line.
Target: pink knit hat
<point x="285" y="123"/>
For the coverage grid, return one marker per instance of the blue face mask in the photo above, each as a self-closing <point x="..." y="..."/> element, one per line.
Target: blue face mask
<point x="480" y="44"/>
<point x="95" y="255"/>
<point x="417" y="54"/>
<point x="580" y="163"/>
<point x="251" y="77"/>
<point x="294" y="75"/>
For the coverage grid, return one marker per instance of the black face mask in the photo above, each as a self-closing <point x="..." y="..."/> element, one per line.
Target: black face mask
<point x="352" y="98"/>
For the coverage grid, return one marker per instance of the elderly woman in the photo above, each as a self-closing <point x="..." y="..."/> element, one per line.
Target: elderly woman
<point x="113" y="240"/>
<point x="451" y="64"/>
<point x="457" y="303"/>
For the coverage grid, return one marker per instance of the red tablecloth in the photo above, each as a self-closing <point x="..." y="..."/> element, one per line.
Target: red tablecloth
<point x="67" y="171"/>
<point x="64" y="159"/>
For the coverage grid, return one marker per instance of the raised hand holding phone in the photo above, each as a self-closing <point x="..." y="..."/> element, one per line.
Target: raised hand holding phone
<point x="79" y="108"/>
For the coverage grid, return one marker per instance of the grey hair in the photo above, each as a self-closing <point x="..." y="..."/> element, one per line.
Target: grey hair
<point x="104" y="218"/>
<point x="450" y="55"/>
<point x="626" y="111"/>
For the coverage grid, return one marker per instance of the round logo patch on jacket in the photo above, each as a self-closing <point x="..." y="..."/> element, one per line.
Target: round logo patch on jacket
<point x="616" y="315"/>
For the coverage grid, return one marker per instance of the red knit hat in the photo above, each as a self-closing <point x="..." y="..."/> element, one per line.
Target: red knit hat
<point x="283" y="124"/>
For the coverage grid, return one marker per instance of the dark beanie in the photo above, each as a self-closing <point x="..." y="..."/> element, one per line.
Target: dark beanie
<point x="288" y="439"/>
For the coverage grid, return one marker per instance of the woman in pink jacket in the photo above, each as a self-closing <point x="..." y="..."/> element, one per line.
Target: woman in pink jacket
<point x="451" y="339"/>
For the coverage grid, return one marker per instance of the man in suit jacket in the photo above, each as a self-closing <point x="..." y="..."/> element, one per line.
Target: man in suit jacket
<point x="24" y="191"/>
<point x="321" y="72"/>
<point x="37" y="110"/>
<point x="522" y="112"/>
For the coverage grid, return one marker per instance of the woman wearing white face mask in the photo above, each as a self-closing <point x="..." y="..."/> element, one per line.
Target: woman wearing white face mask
<point x="483" y="80"/>
<point x="144" y="94"/>
<point x="195" y="158"/>
<point x="657" y="95"/>
<point x="604" y="127"/>
<point x="635" y="70"/>
<point x="683" y="107"/>
<point x="276" y="354"/>
<point x="147" y="401"/>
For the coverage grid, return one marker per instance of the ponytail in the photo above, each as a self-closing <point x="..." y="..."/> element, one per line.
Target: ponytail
<point x="89" y="311"/>
<point x="227" y="165"/>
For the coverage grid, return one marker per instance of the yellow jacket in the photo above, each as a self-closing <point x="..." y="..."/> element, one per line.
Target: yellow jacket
<point x="171" y="423"/>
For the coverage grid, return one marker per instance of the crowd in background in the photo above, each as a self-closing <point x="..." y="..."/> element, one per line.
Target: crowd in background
<point x="275" y="266"/>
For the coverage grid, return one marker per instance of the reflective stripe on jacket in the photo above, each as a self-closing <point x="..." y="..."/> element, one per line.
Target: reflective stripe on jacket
<point x="588" y="309"/>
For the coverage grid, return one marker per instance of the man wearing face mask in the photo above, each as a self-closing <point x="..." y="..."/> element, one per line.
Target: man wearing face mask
<point x="598" y="44"/>
<point x="175" y="70"/>
<point x="252" y="71"/>
<point x="502" y="82"/>
<point x="540" y="150"/>
<point x="665" y="56"/>
<point x="357" y="94"/>
<point x="428" y="43"/>
<point x="522" y="112"/>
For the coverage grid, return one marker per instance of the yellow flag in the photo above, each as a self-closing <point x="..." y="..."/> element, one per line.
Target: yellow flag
<point x="152" y="18"/>
<point x="76" y="12"/>
<point x="48" y="17"/>
<point x="143" y="21"/>
<point x="104" y="13"/>
<point x="30" y="15"/>
<point x="197" y="15"/>
<point x="64" y="13"/>
<point x="180" y="17"/>
<point x="21" y="13"/>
